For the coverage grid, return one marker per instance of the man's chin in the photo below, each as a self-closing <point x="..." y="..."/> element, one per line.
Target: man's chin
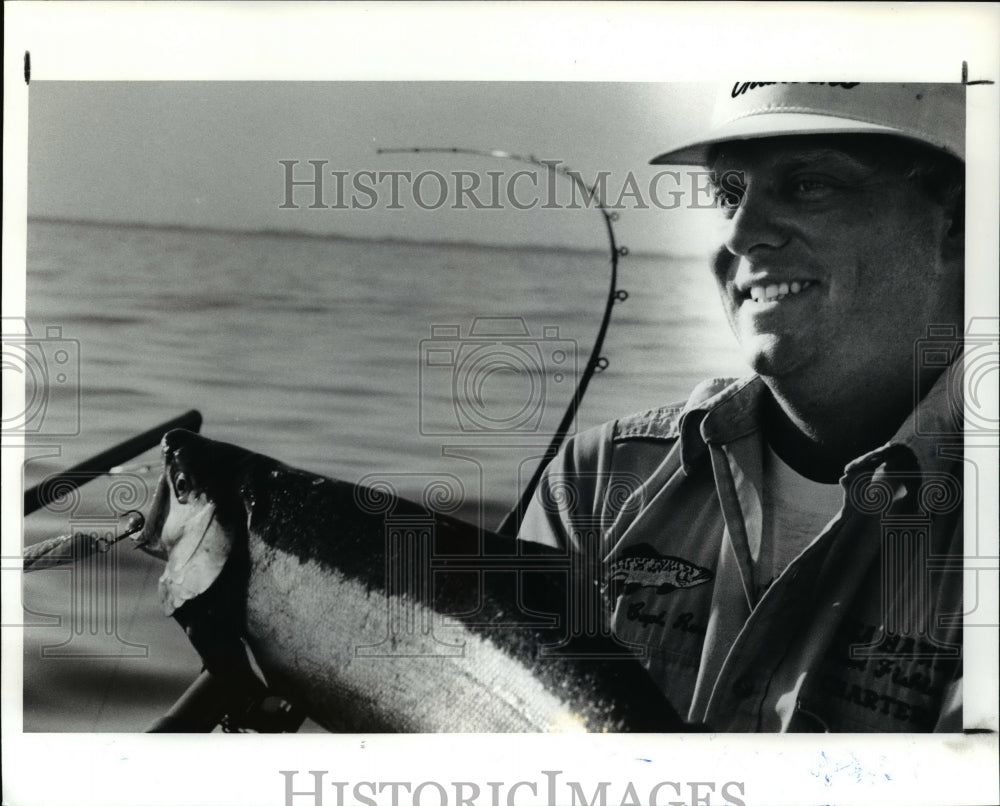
<point x="773" y="357"/>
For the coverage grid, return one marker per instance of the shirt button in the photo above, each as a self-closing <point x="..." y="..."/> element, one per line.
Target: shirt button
<point x="743" y="686"/>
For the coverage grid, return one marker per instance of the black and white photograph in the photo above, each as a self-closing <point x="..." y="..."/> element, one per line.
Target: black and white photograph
<point x="463" y="430"/>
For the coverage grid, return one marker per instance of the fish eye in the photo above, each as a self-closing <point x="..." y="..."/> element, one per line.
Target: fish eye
<point x="181" y="487"/>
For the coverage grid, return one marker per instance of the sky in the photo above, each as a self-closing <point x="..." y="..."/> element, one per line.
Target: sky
<point x="209" y="154"/>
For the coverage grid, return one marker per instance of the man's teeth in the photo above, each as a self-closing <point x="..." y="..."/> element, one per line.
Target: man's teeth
<point x="775" y="291"/>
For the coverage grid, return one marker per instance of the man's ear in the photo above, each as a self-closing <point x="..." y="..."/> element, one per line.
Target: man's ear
<point x="953" y="244"/>
<point x="953" y="247"/>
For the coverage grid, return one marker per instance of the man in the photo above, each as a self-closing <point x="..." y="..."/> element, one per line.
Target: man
<point x="773" y="545"/>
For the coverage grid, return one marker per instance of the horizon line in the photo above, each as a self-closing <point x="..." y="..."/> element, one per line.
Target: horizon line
<point x="337" y="236"/>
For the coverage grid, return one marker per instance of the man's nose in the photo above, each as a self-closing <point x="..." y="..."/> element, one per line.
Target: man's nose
<point x="756" y="224"/>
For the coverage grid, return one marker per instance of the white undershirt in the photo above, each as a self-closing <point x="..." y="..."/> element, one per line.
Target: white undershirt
<point x="795" y="511"/>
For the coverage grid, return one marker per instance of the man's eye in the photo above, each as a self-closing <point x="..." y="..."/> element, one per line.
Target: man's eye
<point x="729" y="188"/>
<point x="726" y="199"/>
<point x="811" y="187"/>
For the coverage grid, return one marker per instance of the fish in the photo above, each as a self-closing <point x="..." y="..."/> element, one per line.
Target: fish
<point x="372" y="613"/>
<point x="641" y="566"/>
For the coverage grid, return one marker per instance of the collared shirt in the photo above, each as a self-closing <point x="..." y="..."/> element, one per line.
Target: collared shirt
<point x="860" y="632"/>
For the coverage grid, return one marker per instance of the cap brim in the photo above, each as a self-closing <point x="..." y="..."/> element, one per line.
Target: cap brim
<point x="783" y="124"/>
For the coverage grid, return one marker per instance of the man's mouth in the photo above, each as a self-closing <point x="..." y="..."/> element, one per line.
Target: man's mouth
<point x="772" y="292"/>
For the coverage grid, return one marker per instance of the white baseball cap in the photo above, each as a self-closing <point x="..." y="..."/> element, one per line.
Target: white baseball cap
<point x="933" y="114"/>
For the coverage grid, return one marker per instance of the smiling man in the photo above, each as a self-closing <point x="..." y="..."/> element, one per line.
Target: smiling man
<point x="772" y="546"/>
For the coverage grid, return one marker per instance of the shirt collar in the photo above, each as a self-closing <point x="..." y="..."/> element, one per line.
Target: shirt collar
<point x="721" y="411"/>
<point x="718" y="412"/>
<point x="935" y="423"/>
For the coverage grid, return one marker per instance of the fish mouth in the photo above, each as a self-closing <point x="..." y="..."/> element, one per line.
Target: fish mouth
<point x="195" y="475"/>
<point x="149" y="537"/>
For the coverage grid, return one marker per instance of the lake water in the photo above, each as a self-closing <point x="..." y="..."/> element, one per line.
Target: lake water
<point x="395" y="361"/>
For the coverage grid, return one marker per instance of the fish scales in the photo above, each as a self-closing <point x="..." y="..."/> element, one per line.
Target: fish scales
<point x="307" y="571"/>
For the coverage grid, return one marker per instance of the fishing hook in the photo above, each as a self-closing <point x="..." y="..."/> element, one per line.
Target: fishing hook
<point x="68" y="548"/>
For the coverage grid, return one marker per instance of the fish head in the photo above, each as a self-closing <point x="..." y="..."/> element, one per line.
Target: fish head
<point x="197" y="516"/>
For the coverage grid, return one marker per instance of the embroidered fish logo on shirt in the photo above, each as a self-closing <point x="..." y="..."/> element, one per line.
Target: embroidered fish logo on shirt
<point x="641" y="566"/>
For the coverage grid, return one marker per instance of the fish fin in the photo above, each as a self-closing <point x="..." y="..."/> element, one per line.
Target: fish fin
<point x="193" y="565"/>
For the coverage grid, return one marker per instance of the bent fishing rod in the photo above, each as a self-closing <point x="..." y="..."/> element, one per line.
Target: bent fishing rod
<point x="511" y="522"/>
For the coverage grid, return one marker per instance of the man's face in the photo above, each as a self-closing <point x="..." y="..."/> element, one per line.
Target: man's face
<point x="830" y="264"/>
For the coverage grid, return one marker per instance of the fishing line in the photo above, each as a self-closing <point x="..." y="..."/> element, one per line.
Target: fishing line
<point x="78" y="545"/>
<point x="596" y="362"/>
<point x="116" y="667"/>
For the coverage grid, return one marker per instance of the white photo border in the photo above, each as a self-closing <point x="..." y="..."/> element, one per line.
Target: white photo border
<point x="432" y="41"/>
